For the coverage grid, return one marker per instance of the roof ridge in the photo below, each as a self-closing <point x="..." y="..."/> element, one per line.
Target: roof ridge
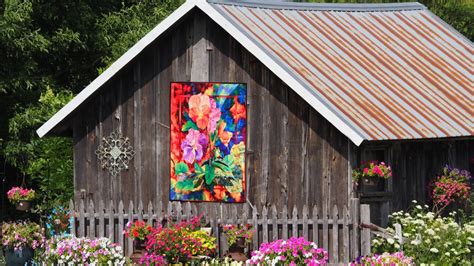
<point x="354" y="7"/>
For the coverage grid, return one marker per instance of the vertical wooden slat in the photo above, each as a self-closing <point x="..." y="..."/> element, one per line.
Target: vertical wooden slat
<point x="274" y="223"/>
<point x="294" y="224"/>
<point x="187" y="211"/>
<point x="345" y="235"/>
<point x="129" y="219"/>
<point x="72" y="219"/>
<point x="325" y="228"/>
<point x="255" y="226"/>
<point x="159" y="212"/>
<point x="150" y="213"/>
<point x="111" y="219"/>
<point x="305" y="222"/>
<point x="335" y="235"/>
<point x="90" y="213"/>
<point x="315" y="225"/>
<point x="284" y="218"/>
<point x="179" y="214"/>
<point x="120" y="225"/>
<point x="265" y="224"/>
<point x="365" y="234"/>
<point x="355" y="244"/>
<point x="82" y="219"/>
<point x="215" y="226"/>
<point x="101" y="218"/>
<point x="140" y="211"/>
<point x="245" y="214"/>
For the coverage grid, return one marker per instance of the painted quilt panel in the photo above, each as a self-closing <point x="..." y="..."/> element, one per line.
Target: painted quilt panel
<point x="208" y="138"/>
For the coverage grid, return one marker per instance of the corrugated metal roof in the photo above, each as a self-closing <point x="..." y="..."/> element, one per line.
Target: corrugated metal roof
<point x="388" y="71"/>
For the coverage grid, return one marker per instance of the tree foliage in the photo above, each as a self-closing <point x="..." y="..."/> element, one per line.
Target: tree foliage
<point x="47" y="161"/>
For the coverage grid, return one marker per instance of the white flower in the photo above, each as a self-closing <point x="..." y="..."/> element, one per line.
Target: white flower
<point x="434" y="250"/>
<point x="390" y="240"/>
<point x="430" y="232"/>
<point x="419" y="207"/>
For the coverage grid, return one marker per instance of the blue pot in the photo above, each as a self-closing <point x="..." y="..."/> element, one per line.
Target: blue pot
<point x="20" y="257"/>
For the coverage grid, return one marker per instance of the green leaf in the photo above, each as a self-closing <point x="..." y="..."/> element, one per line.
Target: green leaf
<point x="221" y="165"/>
<point x="210" y="175"/>
<point x="187" y="184"/>
<point x="181" y="168"/>
<point x="189" y="125"/>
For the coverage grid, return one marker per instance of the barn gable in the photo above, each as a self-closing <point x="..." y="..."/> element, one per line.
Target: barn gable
<point x="375" y="72"/>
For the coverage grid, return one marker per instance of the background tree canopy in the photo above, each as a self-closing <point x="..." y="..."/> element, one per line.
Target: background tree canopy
<point x="51" y="49"/>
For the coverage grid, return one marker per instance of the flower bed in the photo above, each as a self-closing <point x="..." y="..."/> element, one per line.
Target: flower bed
<point x="180" y="242"/>
<point x="294" y="251"/>
<point x="83" y="250"/>
<point x="428" y="238"/>
<point x="385" y="259"/>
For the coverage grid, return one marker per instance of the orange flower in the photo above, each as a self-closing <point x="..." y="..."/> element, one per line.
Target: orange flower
<point x="224" y="136"/>
<point x="238" y="111"/>
<point x="219" y="191"/>
<point x="200" y="109"/>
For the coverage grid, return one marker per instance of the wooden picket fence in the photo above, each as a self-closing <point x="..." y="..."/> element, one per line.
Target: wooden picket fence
<point x="337" y="231"/>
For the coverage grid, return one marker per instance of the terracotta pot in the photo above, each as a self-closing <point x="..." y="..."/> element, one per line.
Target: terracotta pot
<point x="23" y="205"/>
<point x="20" y="257"/>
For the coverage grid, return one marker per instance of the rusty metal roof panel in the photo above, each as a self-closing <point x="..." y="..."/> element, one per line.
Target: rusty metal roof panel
<point x="389" y="71"/>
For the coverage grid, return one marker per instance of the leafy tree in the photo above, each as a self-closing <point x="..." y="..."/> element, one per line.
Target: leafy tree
<point x="118" y="31"/>
<point x="47" y="161"/>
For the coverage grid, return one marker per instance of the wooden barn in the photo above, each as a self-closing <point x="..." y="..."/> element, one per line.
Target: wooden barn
<point x="327" y="87"/>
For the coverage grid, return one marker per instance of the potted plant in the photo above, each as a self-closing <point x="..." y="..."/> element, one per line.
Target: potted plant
<point x="450" y="187"/>
<point x="138" y="231"/>
<point x="238" y="236"/>
<point x="21" y="197"/>
<point x="371" y="174"/>
<point x="21" y="240"/>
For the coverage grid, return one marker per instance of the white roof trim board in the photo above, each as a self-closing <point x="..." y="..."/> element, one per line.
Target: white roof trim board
<point x="274" y="64"/>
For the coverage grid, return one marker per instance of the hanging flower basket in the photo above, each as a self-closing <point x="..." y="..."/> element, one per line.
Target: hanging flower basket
<point x="370" y="175"/>
<point x="21" y="197"/>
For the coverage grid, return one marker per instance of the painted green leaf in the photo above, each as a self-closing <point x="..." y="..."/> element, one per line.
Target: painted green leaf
<point x="190" y="124"/>
<point x="187" y="185"/>
<point x="210" y="175"/>
<point x="181" y="168"/>
<point x="221" y="165"/>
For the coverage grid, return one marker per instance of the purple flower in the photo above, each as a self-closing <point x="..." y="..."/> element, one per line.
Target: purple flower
<point x="193" y="146"/>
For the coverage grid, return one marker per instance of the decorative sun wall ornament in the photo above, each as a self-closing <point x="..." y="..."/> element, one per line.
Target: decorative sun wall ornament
<point x="115" y="153"/>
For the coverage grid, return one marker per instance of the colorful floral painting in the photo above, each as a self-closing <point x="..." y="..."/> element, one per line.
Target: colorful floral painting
<point x="208" y="138"/>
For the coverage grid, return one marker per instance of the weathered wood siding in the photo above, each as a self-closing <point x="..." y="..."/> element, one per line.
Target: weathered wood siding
<point x="294" y="156"/>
